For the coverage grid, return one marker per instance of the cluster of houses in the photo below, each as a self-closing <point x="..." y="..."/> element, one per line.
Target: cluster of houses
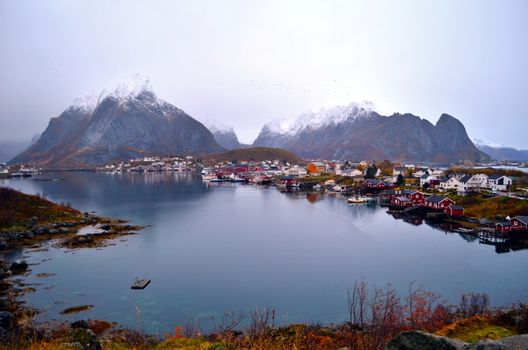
<point x="151" y="164"/>
<point x="462" y="183"/>
<point x="412" y="198"/>
<point x="17" y="171"/>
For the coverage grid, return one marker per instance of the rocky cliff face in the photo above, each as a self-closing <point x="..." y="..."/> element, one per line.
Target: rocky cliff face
<point x="358" y="132"/>
<point x="126" y="123"/>
<point x="226" y="137"/>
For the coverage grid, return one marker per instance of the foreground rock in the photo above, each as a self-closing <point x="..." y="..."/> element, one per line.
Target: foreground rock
<point x="414" y="340"/>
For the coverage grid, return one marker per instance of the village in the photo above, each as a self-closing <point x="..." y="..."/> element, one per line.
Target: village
<point x="407" y="189"/>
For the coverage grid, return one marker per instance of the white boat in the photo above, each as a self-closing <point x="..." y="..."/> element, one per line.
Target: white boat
<point x="317" y="187"/>
<point x="209" y="177"/>
<point x="358" y="199"/>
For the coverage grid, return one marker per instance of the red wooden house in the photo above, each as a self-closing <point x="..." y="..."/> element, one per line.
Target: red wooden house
<point x="403" y="201"/>
<point x="438" y="202"/>
<point x="503" y="226"/>
<point x="519" y="223"/>
<point x="417" y="198"/>
<point x="455" y="210"/>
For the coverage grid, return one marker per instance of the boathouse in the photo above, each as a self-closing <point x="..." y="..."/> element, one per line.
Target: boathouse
<point x="438" y="202"/>
<point x="502" y="227"/>
<point x="519" y="223"/>
<point x="403" y="201"/>
<point x="417" y="198"/>
<point x="455" y="210"/>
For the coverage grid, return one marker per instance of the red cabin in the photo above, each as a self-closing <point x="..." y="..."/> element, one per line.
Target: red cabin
<point x="519" y="223"/>
<point x="403" y="201"/>
<point x="438" y="202"/>
<point x="503" y="227"/>
<point x="417" y="198"/>
<point x="455" y="210"/>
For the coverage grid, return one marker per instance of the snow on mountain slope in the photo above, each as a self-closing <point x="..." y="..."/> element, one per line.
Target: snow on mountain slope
<point x="321" y="118"/>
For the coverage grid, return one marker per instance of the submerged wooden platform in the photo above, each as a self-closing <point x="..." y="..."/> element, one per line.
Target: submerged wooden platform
<point x="140" y="284"/>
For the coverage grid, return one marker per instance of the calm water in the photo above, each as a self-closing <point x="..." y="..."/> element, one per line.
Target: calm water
<point x="236" y="247"/>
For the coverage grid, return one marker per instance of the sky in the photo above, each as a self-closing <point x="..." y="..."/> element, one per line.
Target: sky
<point x="245" y="63"/>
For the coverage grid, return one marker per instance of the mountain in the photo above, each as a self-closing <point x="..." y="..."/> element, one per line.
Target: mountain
<point x="129" y="122"/>
<point x="358" y="132"/>
<point x="225" y="136"/>
<point x="255" y="154"/>
<point x="502" y="153"/>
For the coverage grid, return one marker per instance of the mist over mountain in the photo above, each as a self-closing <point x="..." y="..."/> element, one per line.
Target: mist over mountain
<point x="129" y="122"/>
<point x="357" y="131"/>
<point x="501" y="153"/>
<point x="9" y="149"/>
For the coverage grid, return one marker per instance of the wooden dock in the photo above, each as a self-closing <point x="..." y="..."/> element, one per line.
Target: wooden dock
<point x="140" y="284"/>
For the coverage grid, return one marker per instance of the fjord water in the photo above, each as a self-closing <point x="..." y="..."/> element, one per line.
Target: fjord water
<point x="210" y="249"/>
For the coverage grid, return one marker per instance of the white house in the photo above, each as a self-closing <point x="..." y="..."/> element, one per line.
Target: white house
<point x="473" y="183"/>
<point x="426" y="178"/>
<point x="351" y="172"/>
<point x="449" y="183"/>
<point x="296" y="171"/>
<point x="499" y="182"/>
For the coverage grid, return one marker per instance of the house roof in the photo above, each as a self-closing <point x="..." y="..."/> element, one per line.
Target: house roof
<point x="403" y="199"/>
<point x="456" y="207"/>
<point x="503" y="223"/>
<point x="436" y="199"/>
<point x="495" y="176"/>
<point x="465" y="178"/>
<point x="444" y="179"/>
<point x="391" y="191"/>
<point x="522" y="218"/>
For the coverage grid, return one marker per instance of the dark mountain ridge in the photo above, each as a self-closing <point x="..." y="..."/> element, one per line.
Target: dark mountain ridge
<point x="129" y="123"/>
<point x="357" y="132"/>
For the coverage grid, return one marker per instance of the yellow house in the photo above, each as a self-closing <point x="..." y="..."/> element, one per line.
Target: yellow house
<point x="315" y="168"/>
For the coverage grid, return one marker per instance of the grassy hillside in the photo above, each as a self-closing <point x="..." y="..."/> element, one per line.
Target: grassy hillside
<point x="255" y="154"/>
<point x="18" y="208"/>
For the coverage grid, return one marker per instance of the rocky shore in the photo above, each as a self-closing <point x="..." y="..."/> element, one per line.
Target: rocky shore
<point x="33" y="222"/>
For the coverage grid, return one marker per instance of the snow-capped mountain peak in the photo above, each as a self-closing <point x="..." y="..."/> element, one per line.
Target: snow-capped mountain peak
<point x="131" y="87"/>
<point x="86" y="103"/>
<point x="321" y="118"/>
<point x="128" y="89"/>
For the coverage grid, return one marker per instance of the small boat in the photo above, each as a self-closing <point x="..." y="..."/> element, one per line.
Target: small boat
<point x="140" y="284"/>
<point x="317" y="187"/>
<point x="358" y="199"/>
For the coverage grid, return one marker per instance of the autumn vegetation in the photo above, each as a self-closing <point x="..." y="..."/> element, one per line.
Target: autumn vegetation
<point x="17" y="208"/>
<point x="375" y="315"/>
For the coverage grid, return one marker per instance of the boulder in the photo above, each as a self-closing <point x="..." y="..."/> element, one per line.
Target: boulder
<point x="18" y="266"/>
<point x="486" y="345"/>
<point x="80" y="324"/>
<point x="424" y="341"/>
<point x="413" y="340"/>
<point x="518" y="342"/>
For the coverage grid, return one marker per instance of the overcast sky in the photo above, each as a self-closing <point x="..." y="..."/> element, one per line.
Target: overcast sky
<point x="245" y="63"/>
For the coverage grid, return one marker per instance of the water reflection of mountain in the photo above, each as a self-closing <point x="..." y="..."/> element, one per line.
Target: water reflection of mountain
<point x="468" y="238"/>
<point x="109" y="194"/>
